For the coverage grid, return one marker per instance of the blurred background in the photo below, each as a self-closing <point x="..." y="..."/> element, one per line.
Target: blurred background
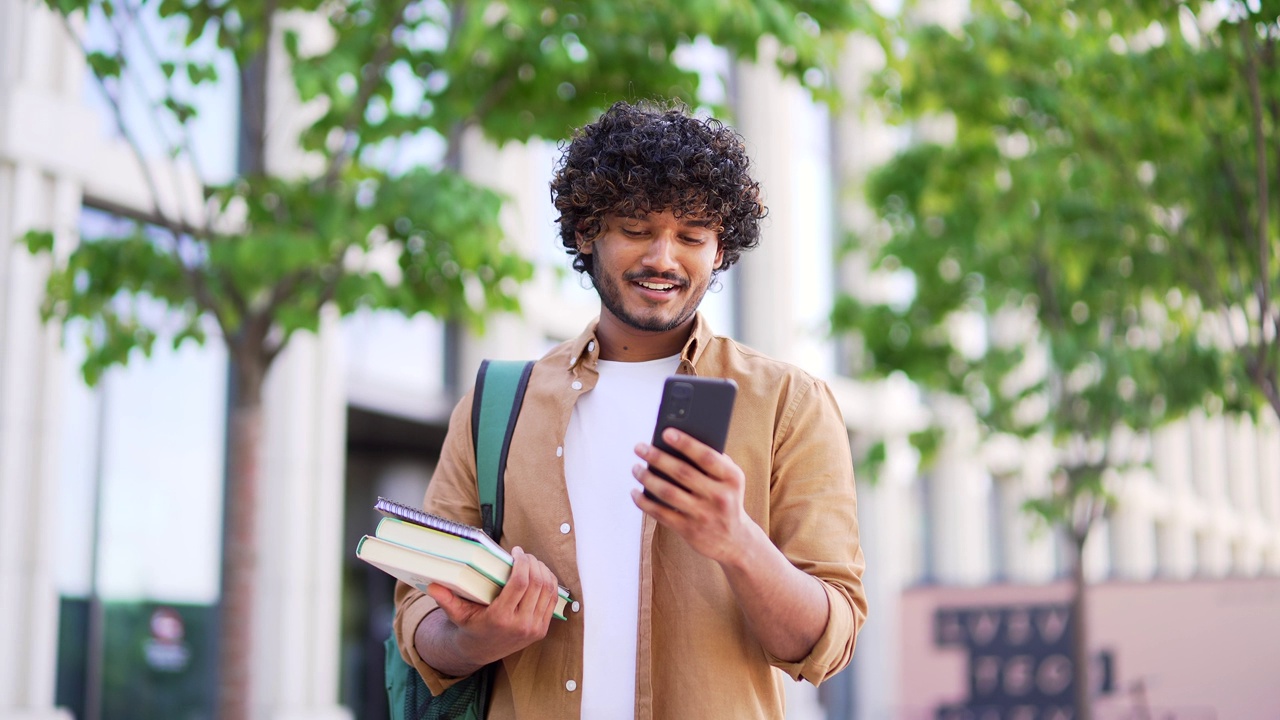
<point x="251" y="254"/>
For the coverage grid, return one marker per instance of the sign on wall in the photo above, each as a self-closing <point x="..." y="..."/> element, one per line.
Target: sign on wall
<point x="1019" y="662"/>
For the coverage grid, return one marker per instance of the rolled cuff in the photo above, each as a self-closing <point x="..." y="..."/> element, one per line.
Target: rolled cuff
<point x="405" y="626"/>
<point x="834" y="648"/>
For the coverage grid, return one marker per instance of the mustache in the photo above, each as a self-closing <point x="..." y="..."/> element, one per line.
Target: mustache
<point x="670" y="277"/>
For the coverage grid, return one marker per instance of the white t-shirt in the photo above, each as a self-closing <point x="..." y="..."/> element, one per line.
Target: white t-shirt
<point x="604" y="428"/>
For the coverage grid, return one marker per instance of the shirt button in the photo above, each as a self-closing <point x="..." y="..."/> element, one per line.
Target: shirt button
<point x="577" y="385"/>
<point x="571" y="686"/>
<point x="560" y="451"/>
<point x="576" y="606"/>
<point x="564" y="528"/>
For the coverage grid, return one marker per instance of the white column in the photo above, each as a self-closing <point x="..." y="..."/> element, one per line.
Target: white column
<point x="1242" y="469"/>
<point x="1132" y="529"/>
<point x="766" y="117"/>
<point x="514" y="172"/>
<point x="1268" y="463"/>
<point x="882" y="508"/>
<point x="1269" y="484"/>
<point x="959" y="511"/>
<point x="1173" y="465"/>
<point x="1210" y="449"/>
<point x="299" y="584"/>
<point x="1031" y="549"/>
<point x="29" y="359"/>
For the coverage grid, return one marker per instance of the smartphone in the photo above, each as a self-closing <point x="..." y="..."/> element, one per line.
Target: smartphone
<point x="698" y="406"/>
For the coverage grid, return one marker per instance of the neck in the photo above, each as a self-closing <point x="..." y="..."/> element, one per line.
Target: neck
<point x="622" y="343"/>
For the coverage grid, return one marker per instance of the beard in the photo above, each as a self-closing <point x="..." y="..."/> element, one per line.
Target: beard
<point x="655" y="320"/>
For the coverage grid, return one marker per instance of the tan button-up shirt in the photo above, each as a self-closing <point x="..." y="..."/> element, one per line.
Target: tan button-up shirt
<point x="696" y="657"/>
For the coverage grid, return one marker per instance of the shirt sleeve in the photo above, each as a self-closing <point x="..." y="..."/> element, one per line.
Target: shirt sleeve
<point x="452" y="494"/>
<point x="813" y="521"/>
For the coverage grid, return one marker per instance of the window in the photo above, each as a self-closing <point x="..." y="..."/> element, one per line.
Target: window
<point x="147" y="41"/>
<point x="151" y="437"/>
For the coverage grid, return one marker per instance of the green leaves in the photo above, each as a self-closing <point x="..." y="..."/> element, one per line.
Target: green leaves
<point x="1077" y="243"/>
<point x="105" y="65"/>
<point x="518" y="69"/>
<point x="357" y="232"/>
<point x="99" y="289"/>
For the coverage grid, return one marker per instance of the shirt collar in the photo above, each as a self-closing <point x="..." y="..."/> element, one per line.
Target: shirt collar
<point x="585" y="349"/>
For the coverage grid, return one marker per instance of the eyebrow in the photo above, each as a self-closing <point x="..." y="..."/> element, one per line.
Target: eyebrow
<point x="707" y="223"/>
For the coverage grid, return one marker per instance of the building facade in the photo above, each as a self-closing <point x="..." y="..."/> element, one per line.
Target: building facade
<point x="134" y="466"/>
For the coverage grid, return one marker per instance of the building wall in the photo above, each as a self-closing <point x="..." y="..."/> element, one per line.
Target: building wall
<point x="1207" y="508"/>
<point x="1185" y="650"/>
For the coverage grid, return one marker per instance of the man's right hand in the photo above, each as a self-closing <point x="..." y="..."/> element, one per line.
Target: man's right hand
<point x="470" y="635"/>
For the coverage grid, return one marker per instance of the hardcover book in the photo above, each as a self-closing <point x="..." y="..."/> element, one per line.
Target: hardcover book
<point x="455" y="542"/>
<point x="420" y="569"/>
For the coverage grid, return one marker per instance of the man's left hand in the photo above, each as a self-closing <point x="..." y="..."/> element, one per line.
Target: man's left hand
<point x="708" y="510"/>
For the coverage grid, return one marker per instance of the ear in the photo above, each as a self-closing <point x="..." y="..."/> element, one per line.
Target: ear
<point x="719" y="257"/>
<point x="584" y="245"/>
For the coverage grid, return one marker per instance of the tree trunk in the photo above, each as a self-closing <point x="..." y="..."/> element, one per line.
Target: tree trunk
<point x="240" y="550"/>
<point x="1080" y="635"/>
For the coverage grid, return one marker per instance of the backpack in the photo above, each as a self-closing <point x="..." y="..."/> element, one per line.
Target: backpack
<point x="495" y="407"/>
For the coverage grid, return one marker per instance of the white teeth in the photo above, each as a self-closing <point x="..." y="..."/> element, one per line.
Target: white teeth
<point x="656" y="286"/>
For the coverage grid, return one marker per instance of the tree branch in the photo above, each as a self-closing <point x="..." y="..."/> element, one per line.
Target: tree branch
<point x="371" y="73"/>
<point x="1044" y="285"/>
<point x="1262" y="288"/>
<point x="253" y="93"/>
<point x="185" y="144"/>
<point x="118" y="114"/>
<point x="1241" y="201"/>
<point x="176" y="227"/>
<point x="453" y="143"/>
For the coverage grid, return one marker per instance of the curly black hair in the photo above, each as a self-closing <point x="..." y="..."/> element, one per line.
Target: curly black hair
<point x="646" y="158"/>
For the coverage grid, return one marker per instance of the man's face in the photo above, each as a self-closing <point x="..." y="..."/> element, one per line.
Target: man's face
<point x="652" y="271"/>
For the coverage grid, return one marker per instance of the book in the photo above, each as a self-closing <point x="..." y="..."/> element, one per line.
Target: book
<point x="390" y="508"/>
<point x="421" y="569"/>
<point x="450" y="540"/>
<point x="442" y="544"/>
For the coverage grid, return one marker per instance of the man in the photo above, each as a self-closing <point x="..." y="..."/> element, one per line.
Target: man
<point x="686" y="611"/>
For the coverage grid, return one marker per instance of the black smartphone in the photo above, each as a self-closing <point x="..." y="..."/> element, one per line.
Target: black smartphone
<point x="698" y="406"/>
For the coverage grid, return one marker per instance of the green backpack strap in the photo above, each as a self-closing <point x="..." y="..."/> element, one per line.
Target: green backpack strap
<point x="495" y="408"/>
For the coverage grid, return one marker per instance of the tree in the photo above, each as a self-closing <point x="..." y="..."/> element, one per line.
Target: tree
<point x="263" y="254"/>
<point x="1084" y="225"/>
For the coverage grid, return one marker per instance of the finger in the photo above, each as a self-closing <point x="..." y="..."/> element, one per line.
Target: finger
<point x="549" y="592"/>
<point x="455" y="608"/>
<point x="540" y="577"/>
<point x="661" y="463"/>
<point x="661" y="492"/>
<point x="665" y="508"/>
<point x="519" y="577"/>
<point x="702" y="456"/>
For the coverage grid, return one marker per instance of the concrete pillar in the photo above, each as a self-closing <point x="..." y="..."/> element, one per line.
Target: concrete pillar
<point x="1268" y="463"/>
<point x="882" y="506"/>
<point x="1241" y="456"/>
<point x="1269" y="484"/>
<point x="959" y="510"/>
<point x="1031" y="544"/>
<point x="29" y="365"/>
<point x="32" y="52"/>
<point x="1132" y="529"/>
<point x="296" y="666"/>
<point x="522" y="176"/>
<point x="766" y="116"/>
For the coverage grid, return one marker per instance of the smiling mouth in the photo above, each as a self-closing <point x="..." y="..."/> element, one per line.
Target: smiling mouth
<point x="656" y="285"/>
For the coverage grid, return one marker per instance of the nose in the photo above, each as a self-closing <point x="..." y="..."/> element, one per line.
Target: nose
<point x="660" y="255"/>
